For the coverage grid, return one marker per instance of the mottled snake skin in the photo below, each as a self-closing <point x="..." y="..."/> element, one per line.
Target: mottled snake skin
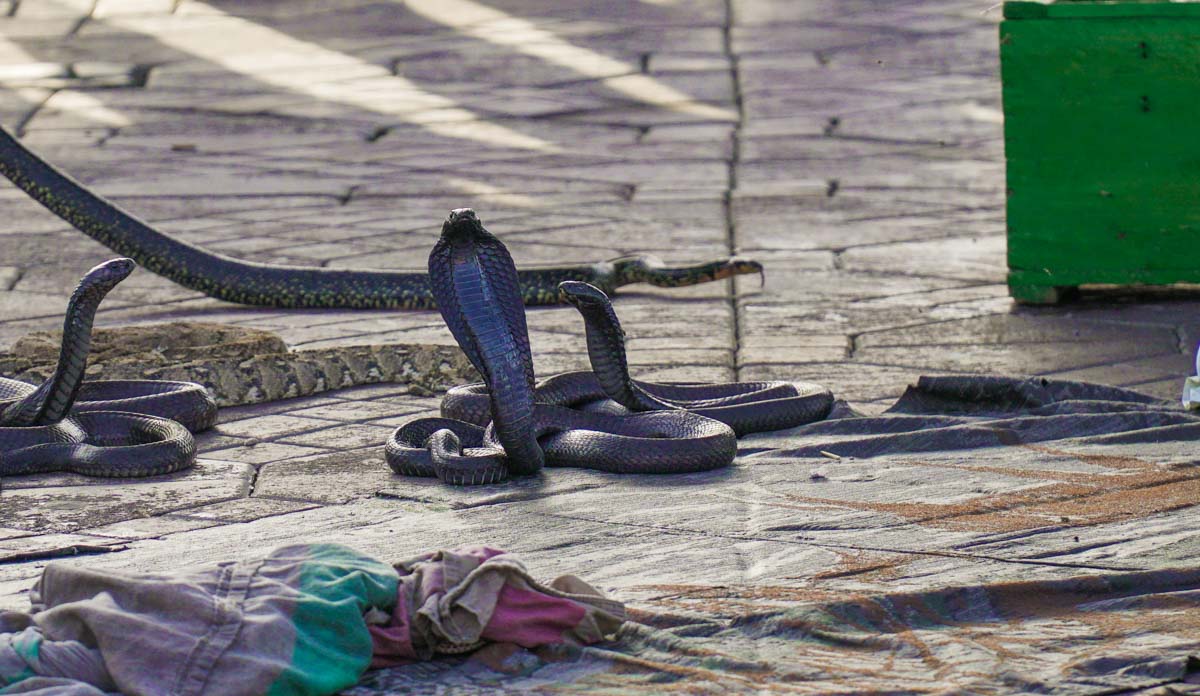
<point x="246" y="282"/>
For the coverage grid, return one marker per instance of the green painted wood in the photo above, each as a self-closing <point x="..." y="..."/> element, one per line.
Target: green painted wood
<point x="1024" y="10"/>
<point x="1102" y="136"/>
<point x="1092" y="10"/>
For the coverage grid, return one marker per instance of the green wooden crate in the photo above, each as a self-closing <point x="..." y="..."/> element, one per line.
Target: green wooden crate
<point x="1102" y="136"/>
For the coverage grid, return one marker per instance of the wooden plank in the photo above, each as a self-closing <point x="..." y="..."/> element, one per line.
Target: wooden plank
<point x="1099" y="10"/>
<point x="1103" y="152"/>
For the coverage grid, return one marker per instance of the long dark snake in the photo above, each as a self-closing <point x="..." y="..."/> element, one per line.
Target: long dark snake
<point x="600" y="420"/>
<point x="119" y="428"/>
<point x="246" y="282"/>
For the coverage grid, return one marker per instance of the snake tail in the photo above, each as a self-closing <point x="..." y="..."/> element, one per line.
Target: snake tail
<point x="476" y="286"/>
<point x="50" y="402"/>
<point x="251" y="283"/>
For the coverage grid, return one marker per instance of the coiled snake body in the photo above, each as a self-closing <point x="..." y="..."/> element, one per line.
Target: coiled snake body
<point x="510" y="426"/>
<point x="103" y="428"/>
<point x="252" y="283"/>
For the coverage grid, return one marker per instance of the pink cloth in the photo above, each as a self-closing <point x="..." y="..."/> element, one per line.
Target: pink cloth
<point x="456" y="601"/>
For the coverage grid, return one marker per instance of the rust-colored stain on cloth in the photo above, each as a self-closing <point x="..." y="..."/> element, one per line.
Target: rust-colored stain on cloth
<point x="1131" y="488"/>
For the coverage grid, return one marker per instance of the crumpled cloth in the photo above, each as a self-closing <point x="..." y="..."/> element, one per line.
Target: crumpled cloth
<point x="291" y="622"/>
<point x="296" y="621"/>
<point x="455" y="601"/>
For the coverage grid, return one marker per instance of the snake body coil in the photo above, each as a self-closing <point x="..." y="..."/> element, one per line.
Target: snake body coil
<point x="246" y="282"/>
<point x="508" y="426"/>
<point x="103" y="428"/>
<point x="474" y="280"/>
<point x="747" y="407"/>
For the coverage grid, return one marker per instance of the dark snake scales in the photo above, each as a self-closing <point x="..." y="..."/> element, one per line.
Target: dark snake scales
<point x="600" y="420"/>
<point x="116" y="428"/>
<point x="246" y="282"/>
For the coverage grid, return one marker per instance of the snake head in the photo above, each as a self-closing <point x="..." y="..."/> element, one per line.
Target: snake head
<point x="740" y="266"/>
<point x="592" y="303"/>
<point x="462" y="226"/>
<point x="108" y="274"/>
<point x="582" y="295"/>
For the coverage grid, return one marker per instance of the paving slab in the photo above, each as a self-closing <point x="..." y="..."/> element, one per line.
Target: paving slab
<point x="853" y="147"/>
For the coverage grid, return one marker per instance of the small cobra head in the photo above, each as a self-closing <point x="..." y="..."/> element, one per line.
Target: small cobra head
<point x="581" y="294"/>
<point x="105" y="276"/>
<point x="462" y="225"/>
<point x="593" y="304"/>
<point x="50" y="402"/>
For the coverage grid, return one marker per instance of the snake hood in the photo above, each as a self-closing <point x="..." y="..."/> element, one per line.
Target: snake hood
<point x="51" y="402"/>
<point x="478" y="293"/>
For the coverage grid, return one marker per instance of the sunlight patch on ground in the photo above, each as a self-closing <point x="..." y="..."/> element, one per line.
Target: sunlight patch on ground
<point x="488" y="193"/>
<point x="20" y="70"/>
<point x="278" y="59"/>
<point x="491" y="25"/>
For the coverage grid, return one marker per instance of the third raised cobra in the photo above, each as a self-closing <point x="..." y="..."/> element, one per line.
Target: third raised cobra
<point x="747" y="407"/>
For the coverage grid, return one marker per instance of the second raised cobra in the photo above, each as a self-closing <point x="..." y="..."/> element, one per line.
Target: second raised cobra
<point x="246" y="282"/>
<point x="103" y="428"/>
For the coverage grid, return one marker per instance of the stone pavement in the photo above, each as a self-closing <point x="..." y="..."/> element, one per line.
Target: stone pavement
<point x="854" y="147"/>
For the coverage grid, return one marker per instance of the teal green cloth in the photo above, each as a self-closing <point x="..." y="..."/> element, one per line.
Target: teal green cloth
<point x="332" y="645"/>
<point x="292" y="622"/>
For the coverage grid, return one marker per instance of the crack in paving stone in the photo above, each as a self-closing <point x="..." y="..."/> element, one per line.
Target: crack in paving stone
<point x="348" y="196"/>
<point x="731" y="186"/>
<point x="852" y="345"/>
<point x="109" y="134"/>
<point x="15" y="277"/>
<point x="253" y="482"/>
<point x="60" y="552"/>
<point x="34" y="109"/>
<point x="139" y="75"/>
<point x="879" y="140"/>
<point x="424" y="499"/>
<point x="919" y="369"/>
<point x="497" y="499"/>
<point x="922" y="238"/>
<point x="885" y="274"/>
<point x="948" y="213"/>
<point x="78" y="26"/>
<point x="377" y="133"/>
